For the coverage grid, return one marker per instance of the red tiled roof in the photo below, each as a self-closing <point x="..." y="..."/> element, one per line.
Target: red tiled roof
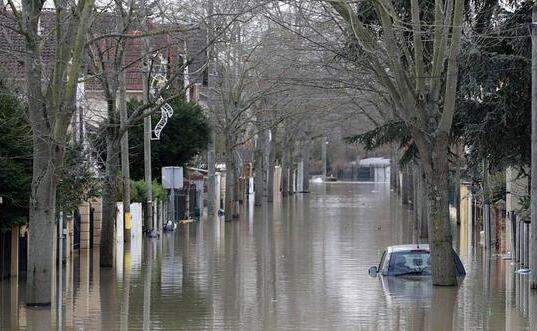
<point x="12" y="46"/>
<point x="171" y="46"/>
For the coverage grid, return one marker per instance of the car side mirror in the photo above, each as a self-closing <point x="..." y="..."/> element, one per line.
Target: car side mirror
<point x="373" y="271"/>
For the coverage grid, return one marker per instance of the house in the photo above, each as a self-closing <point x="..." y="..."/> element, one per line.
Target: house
<point x="374" y="169"/>
<point x="179" y="51"/>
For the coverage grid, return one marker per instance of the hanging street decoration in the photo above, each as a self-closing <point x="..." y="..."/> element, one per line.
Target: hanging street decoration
<point x="159" y="81"/>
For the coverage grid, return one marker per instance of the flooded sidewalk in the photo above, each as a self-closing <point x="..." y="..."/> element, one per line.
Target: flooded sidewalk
<point x="299" y="263"/>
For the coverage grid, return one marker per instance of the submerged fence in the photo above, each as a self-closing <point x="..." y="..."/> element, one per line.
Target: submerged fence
<point x="520" y="239"/>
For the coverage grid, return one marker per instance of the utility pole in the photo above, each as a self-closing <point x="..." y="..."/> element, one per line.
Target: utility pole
<point x="147" y="123"/>
<point x="324" y="142"/>
<point x="123" y="116"/>
<point x="147" y="165"/>
<point x="533" y="225"/>
<point x="211" y="150"/>
<point x="125" y="168"/>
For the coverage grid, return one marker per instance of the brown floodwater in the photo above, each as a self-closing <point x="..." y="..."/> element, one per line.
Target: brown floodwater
<point x="298" y="264"/>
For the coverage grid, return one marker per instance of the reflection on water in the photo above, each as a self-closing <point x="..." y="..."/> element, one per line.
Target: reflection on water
<point x="300" y="263"/>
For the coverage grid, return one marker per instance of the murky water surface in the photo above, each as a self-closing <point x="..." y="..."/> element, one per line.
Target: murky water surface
<point x="299" y="264"/>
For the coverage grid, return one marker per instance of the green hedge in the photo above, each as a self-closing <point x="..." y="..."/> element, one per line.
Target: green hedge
<point x="138" y="191"/>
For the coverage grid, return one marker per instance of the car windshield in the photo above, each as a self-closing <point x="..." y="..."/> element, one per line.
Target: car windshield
<point x="410" y="262"/>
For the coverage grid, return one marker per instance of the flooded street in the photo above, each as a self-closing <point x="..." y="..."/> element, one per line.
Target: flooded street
<point x="299" y="264"/>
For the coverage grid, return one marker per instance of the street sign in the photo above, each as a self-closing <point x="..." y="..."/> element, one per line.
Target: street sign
<point x="172" y="177"/>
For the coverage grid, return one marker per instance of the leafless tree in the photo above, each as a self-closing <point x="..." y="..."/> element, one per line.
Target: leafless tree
<point x="51" y="51"/>
<point x="410" y="60"/>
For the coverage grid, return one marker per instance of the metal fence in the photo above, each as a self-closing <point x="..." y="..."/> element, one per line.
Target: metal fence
<point x="180" y="211"/>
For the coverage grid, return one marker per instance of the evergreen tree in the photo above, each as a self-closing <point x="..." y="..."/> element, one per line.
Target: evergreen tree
<point x="185" y="136"/>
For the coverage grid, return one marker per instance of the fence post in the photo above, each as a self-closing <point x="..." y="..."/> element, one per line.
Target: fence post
<point x="517" y="239"/>
<point x="486" y="227"/>
<point x="527" y="245"/>
<point x="161" y="214"/>
<point x="523" y="244"/>
<point x="84" y="225"/>
<point x="512" y="217"/>
<point x="97" y="205"/>
<point x="164" y="216"/>
<point x="522" y="241"/>
<point x="69" y="237"/>
<point x="187" y="201"/>
<point x="154" y="221"/>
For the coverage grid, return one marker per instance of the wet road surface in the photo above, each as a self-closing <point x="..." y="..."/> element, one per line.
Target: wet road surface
<point x="299" y="264"/>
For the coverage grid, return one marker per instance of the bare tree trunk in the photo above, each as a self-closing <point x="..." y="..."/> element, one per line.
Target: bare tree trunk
<point x="211" y="167"/>
<point x="457" y="179"/>
<point x="50" y="113"/>
<point x="270" y="168"/>
<point x="408" y="186"/>
<point x="394" y="170"/>
<point x="109" y="198"/>
<point x="285" y="172"/>
<point x="533" y="224"/>
<point x="411" y="186"/>
<point x="423" y="213"/>
<point x="230" y="199"/>
<point x="440" y="238"/>
<point x="416" y="202"/>
<point x="306" y="165"/>
<point x="237" y="185"/>
<point x="292" y="169"/>
<point x="265" y="152"/>
<point x="211" y="149"/>
<point x="259" y="168"/>
<point x="42" y="226"/>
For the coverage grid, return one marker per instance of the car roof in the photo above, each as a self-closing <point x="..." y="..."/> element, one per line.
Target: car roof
<point x="402" y="248"/>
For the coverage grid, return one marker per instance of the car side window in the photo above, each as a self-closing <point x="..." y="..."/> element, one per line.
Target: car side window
<point x="384" y="266"/>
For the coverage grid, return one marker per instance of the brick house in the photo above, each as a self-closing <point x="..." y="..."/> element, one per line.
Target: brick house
<point x="180" y="46"/>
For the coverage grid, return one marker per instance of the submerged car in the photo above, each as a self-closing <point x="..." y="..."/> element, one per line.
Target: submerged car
<point x="401" y="260"/>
